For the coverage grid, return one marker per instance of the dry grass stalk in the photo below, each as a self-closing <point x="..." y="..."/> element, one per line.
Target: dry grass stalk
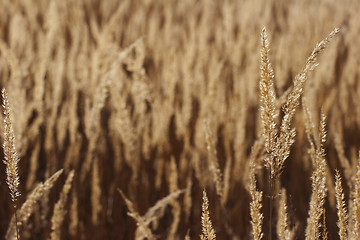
<point x="208" y="233"/>
<point x="16" y="93"/>
<point x="74" y="217"/>
<point x="345" y="164"/>
<point x="188" y="199"/>
<point x="92" y="123"/>
<point x="354" y="228"/>
<point x="160" y="162"/>
<point x="28" y="206"/>
<point x="213" y="162"/>
<point x="11" y="159"/>
<point x="278" y="148"/>
<point x="153" y="214"/>
<point x="309" y="129"/>
<point x="268" y="116"/>
<point x="33" y="167"/>
<point x="95" y="192"/>
<point x="315" y="141"/>
<point x="282" y="227"/>
<point x="227" y="179"/>
<point x="142" y="228"/>
<point x="157" y="210"/>
<point x="240" y="136"/>
<point x="325" y="232"/>
<point x="294" y="96"/>
<point x="341" y="207"/>
<point x="255" y="204"/>
<point x="176" y="208"/>
<point x="127" y="132"/>
<point x="318" y="185"/>
<point x="267" y="110"/>
<point x="287" y="135"/>
<point x="59" y="209"/>
<point x="331" y="187"/>
<point x="58" y="59"/>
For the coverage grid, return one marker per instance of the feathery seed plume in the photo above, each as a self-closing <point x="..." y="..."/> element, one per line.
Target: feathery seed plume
<point x="11" y="159"/>
<point x="207" y="230"/>
<point x="341" y="207"/>
<point x="59" y="212"/>
<point x="267" y="99"/>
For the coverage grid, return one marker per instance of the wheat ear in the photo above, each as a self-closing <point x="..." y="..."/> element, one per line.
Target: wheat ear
<point x="11" y="159"/>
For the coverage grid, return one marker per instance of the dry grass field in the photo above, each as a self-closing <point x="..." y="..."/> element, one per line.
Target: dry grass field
<point x="191" y="119"/>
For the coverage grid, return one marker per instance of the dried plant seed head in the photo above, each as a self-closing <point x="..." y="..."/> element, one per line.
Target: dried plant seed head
<point x="267" y="104"/>
<point x="341" y="207"/>
<point x="207" y="230"/>
<point x="29" y="206"/>
<point x="10" y="155"/>
<point x="59" y="209"/>
<point x="256" y="198"/>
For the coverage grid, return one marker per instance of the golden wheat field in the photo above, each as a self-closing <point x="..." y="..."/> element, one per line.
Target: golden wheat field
<point x="191" y="119"/>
